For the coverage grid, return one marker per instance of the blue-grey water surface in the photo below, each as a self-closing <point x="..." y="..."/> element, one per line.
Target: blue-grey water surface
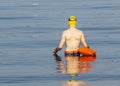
<point x="31" y="29"/>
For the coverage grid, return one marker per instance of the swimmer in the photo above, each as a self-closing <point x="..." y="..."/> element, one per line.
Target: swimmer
<point x="72" y="37"/>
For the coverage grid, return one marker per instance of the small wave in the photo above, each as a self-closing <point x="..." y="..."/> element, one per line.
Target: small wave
<point x="14" y="18"/>
<point x="35" y="4"/>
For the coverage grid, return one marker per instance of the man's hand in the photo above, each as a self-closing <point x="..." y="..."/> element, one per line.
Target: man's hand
<point x="56" y="50"/>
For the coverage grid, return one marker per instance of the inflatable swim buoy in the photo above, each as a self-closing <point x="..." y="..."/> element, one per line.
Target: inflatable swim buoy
<point x="86" y="51"/>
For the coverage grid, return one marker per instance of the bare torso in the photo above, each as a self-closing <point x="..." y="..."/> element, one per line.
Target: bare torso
<point x="72" y="39"/>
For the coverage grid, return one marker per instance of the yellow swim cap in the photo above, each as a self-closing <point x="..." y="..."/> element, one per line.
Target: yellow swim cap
<point x="72" y="21"/>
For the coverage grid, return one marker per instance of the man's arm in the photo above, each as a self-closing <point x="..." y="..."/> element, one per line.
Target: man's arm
<point x="60" y="45"/>
<point x="84" y="40"/>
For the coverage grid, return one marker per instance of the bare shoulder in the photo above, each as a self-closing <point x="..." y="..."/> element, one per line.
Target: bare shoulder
<point x="80" y="31"/>
<point x="65" y="31"/>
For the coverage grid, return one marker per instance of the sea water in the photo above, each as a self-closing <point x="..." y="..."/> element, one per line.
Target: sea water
<point x="31" y="29"/>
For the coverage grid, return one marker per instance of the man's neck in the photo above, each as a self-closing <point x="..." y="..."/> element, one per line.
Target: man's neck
<point x="72" y="27"/>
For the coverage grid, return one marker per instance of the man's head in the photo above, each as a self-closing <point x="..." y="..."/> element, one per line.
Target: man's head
<point x="72" y="21"/>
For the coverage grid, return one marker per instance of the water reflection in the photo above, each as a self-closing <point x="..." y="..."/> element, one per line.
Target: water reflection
<point x="85" y="63"/>
<point x="72" y="65"/>
<point x="60" y="66"/>
<point x="75" y="64"/>
<point x="74" y="83"/>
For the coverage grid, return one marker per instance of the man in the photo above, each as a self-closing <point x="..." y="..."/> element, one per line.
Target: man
<point x="72" y="37"/>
